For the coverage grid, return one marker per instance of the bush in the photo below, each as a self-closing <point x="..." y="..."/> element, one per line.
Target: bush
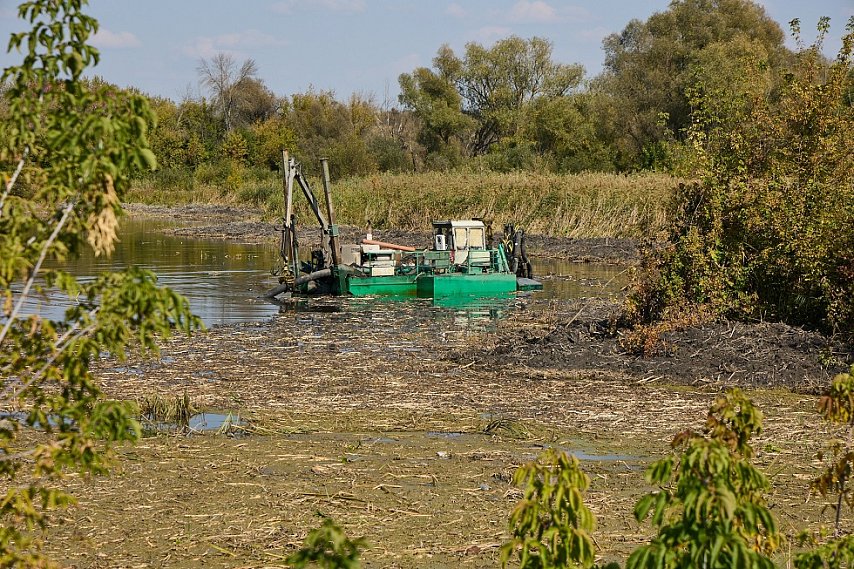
<point x="710" y="511"/>
<point x="551" y="525"/>
<point x="767" y="231"/>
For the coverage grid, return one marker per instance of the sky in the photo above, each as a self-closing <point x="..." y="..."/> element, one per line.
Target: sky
<point x="358" y="46"/>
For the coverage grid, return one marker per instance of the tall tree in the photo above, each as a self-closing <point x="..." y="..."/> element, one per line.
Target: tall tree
<point x="433" y="98"/>
<point x="498" y="83"/>
<point x="484" y="96"/>
<point x="230" y="86"/>
<point x="649" y="65"/>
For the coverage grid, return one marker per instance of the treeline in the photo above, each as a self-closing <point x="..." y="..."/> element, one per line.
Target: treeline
<point x="507" y="107"/>
<point x="704" y="91"/>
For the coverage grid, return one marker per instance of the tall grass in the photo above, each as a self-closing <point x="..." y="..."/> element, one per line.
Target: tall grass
<point x="582" y="205"/>
<point x="579" y="205"/>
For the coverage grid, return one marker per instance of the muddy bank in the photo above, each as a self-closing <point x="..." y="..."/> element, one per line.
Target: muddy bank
<point x="582" y="336"/>
<point x="245" y="226"/>
<point x="359" y="413"/>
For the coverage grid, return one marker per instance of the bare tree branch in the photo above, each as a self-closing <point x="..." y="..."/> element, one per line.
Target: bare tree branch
<point x="221" y="76"/>
<point x="26" y="291"/>
<point x="11" y="183"/>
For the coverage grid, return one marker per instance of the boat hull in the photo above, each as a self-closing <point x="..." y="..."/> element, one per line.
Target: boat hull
<point x="433" y="285"/>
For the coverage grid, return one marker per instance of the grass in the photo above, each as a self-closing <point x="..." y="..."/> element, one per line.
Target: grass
<point x="577" y="205"/>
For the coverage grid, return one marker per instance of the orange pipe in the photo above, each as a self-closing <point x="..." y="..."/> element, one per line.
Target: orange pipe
<point x="385" y="245"/>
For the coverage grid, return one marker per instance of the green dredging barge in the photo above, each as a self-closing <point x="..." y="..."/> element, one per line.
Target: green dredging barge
<point x="460" y="263"/>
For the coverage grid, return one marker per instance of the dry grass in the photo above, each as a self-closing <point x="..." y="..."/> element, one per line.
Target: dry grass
<point x="579" y="205"/>
<point x="344" y="402"/>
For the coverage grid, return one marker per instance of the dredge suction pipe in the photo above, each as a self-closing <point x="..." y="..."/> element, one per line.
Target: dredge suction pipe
<point x="284" y="287"/>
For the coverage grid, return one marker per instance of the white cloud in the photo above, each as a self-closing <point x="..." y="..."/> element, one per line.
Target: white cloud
<point x="536" y="11"/>
<point x="235" y="43"/>
<point x="488" y="33"/>
<point x="106" y="39"/>
<point x="456" y="11"/>
<point x="346" y="6"/>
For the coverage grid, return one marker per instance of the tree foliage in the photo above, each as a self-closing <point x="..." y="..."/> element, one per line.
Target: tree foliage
<point x="551" y="526"/>
<point x="767" y="231"/>
<point x="485" y="96"/>
<point x="328" y="547"/>
<point x="650" y="65"/>
<point x="80" y="140"/>
<point x="710" y="511"/>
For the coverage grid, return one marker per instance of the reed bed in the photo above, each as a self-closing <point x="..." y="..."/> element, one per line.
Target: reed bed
<point x="580" y="205"/>
<point x="560" y="205"/>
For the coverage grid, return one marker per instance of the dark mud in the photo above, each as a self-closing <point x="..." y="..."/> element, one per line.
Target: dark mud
<point x="583" y="336"/>
<point x="245" y="226"/>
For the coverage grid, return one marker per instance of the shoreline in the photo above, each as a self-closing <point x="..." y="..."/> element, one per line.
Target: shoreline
<point x="404" y="423"/>
<point x="245" y="226"/>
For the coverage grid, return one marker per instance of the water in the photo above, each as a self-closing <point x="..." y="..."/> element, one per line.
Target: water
<point x="565" y="280"/>
<point x="223" y="280"/>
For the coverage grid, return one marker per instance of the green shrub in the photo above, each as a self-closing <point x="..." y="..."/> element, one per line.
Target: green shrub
<point x="710" y="511"/>
<point x="767" y="231"/>
<point x="328" y="547"/>
<point x="551" y="526"/>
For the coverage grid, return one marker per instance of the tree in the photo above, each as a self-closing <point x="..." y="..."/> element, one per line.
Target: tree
<point x="498" y="84"/>
<point x="568" y="131"/>
<point x="649" y="65"/>
<point x="83" y="138"/>
<point x="231" y="87"/>
<point x="767" y="230"/>
<point x="433" y="98"/>
<point x="484" y="97"/>
<point x="326" y="127"/>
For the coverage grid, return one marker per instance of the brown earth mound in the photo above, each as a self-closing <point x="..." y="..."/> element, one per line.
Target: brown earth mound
<point x="722" y="353"/>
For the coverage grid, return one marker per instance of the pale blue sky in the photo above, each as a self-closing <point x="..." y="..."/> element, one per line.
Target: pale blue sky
<point x="358" y="45"/>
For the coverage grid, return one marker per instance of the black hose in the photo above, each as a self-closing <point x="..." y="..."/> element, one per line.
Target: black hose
<point x="323" y="273"/>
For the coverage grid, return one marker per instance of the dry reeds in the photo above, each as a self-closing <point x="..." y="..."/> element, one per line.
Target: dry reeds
<point x="155" y="408"/>
<point x="579" y="205"/>
<point x="561" y="205"/>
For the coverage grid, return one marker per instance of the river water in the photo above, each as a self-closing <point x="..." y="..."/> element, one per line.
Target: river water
<point x="223" y="280"/>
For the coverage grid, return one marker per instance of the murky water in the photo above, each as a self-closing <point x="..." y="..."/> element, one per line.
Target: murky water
<point x="223" y="281"/>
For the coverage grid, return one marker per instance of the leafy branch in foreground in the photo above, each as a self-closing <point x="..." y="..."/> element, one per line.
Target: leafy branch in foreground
<point x="551" y="526"/>
<point x="710" y="511"/>
<point x="328" y="547"/>
<point x="79" y="142"/>
<point x="836" y="406"/>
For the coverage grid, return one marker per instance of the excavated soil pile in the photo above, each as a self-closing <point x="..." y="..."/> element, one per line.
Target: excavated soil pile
<point x="725" y="353"/>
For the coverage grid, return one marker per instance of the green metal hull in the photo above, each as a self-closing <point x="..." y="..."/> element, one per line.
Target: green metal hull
<point x="433" y="286"/>
<point x="397" y="285"/>
<point x="461" y="284"/>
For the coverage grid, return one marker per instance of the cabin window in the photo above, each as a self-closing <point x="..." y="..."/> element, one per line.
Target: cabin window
<point x="476" y="238"/>
<point x="460" y="241"/>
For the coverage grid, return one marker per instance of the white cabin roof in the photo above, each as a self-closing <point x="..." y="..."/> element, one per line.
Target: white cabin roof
<point x="469" y="223"/>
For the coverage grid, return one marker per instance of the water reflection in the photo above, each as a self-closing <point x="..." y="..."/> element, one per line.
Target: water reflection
<point x="223" y="281"/>
<point x="565" y="280"/>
